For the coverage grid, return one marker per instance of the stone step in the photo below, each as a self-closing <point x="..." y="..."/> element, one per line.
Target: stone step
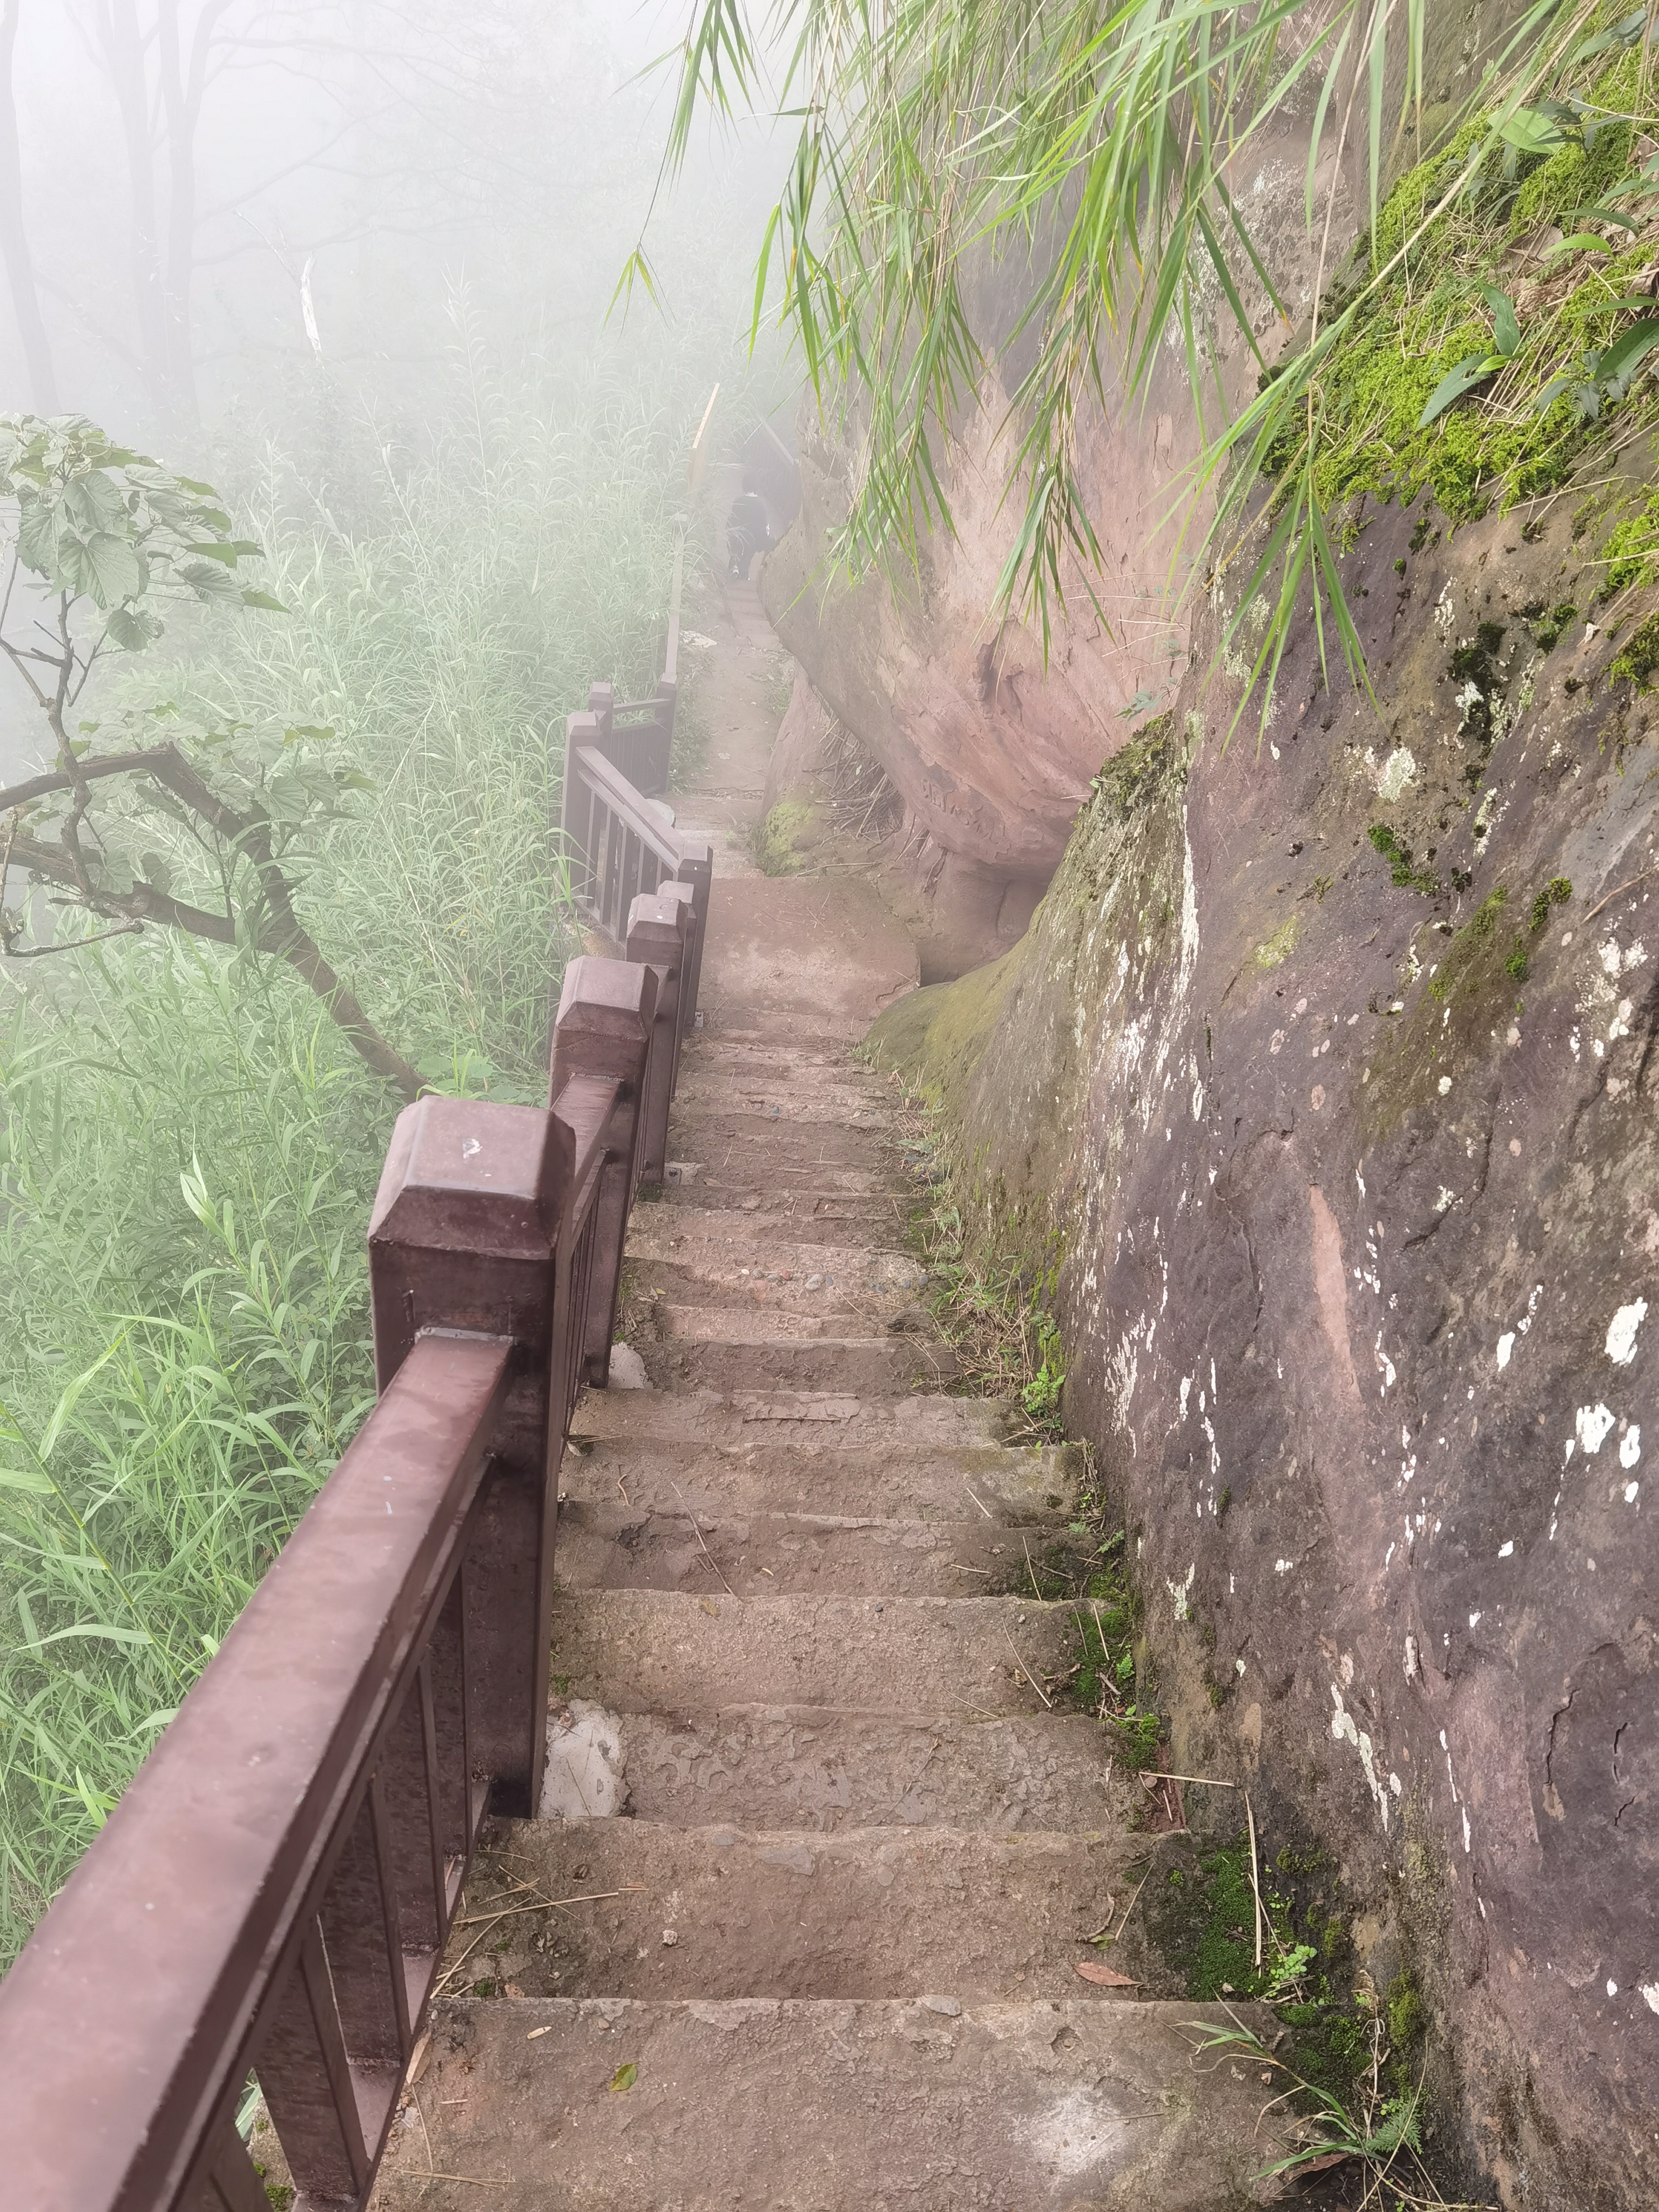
<point x="722" y="1141"/>
<point x="605" y="1546"/>
<point x="811" y="1095"/>
<point x="713" y="1347"/>
<point x="788" y="1912"/>
<point x="633" y="1650"/>
<point x="694" y="1180"/>
<point x="930" y="1422"/>
<point x="1012" y="1488"/>
<point x="839" y="1276"/>
<point x="696" y="1235"/>
<point x="819" y="1768"/>
<point x="775" y="1205"/>
<point x="612" y="2105"/>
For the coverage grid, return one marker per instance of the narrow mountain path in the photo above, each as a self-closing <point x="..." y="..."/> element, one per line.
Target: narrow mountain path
<point x="828" y="1959"/>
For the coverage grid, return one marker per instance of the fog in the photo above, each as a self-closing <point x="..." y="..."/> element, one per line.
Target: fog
<point x="234" y="224"/>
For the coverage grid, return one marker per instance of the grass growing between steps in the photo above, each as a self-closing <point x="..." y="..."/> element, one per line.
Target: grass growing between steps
<point x="1351" y="2060"/>
<point x="996" y="1313"/>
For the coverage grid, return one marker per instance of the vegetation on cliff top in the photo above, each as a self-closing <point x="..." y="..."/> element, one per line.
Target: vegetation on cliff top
<point x="1494" y="322"/>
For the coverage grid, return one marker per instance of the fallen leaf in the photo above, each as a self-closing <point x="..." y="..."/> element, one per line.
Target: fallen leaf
<point x="1319" y="2165"/>
<point x="1094" y="1970"/>
<point x="624" y="2077"/>
<point x="709" y="1607"/>
<point x="535" y="2031"/>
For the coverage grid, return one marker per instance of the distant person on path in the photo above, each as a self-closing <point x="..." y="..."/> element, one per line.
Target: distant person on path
<point x="749" y="526"/>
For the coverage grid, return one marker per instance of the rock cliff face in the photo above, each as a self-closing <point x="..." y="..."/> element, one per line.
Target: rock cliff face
<point x="1332" y="1066"/>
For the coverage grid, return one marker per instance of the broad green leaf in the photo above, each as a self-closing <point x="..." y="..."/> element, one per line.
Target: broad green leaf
<point x="22" y="1478"/>
<point x="1625" y="355"/>
<point x="1452" y="387"/>
<point x="624" y="2077"/>
<point x="251" y="599"/>
<point x="114" y="569"/>
<point x="1581" y="241"/>
<point x="207" y="580"/>
<point x="1529" y="130"/>
<point x="131" y="629"/>
<point x="1506" y="330"/>
<point x="211" y="551"/>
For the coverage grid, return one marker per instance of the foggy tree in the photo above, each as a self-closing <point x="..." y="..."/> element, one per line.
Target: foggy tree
<point x="143" y="822"/>
<point x="14" y="231"/>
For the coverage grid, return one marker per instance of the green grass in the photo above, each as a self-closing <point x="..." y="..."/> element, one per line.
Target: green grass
<point x="188" y="1149"/>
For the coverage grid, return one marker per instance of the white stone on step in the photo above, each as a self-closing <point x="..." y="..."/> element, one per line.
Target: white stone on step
<point x="583" y="1779"/>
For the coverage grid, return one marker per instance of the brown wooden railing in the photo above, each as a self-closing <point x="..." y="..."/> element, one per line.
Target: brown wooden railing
<point x="274" y="1892"/>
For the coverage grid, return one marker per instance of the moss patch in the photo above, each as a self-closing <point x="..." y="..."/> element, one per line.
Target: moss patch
<point x="1276" y="949"/>
<point x="776" y="840"/>
<point x="1522" y="431"/>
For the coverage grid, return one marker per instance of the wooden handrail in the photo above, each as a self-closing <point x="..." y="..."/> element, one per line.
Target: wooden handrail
<point x="173" y="1958"/>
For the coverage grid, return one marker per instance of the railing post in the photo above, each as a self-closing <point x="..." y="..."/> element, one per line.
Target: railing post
<point x="605" y="1013"/>
<point x="696" y="869"/>
<point x="658" y="928"/>
<point x="574" y="806"/>
<point x="602" y="705"/>
<point x="462" y="1240"/>
<point x="668" y="691"/>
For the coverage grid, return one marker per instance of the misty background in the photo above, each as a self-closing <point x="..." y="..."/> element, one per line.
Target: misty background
<point x="351" y="265"/>
<point x="240" y="229"/>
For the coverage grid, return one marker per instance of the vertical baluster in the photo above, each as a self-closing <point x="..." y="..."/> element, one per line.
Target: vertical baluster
<point x="576" y="809"/>
<point x="656" y="934"/>
<point x="225" y="2180"/>
<point x="446" y="1668"/>
<point x="364" y="1943"/>
<point x="305" y="2082"/>
<point x="604" y="1029"/>
<point x="412" y="1845"/>
<point x="696" y="868"/>
<point x="463" y="1237"/>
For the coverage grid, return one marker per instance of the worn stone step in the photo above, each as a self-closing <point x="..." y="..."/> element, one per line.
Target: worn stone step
<point x="788" y="1912"/>
<point x="605" y="1546"/>
<point x="722" y="1139"/>
<point x="637" y="1650"/>
<point x="810" y="1098"/>
<point x="834" y="1273"/>
<point x="694" y="1236"/>
<point x="820" y="1768"/>
<point x="775" y="1205"/>
<point x="1024" y="1488"/>
<point x="934" y="1423"/>
<point x="734" y="1350"/>
<point x="613" y="2105"/>
<point x="703" y="1181"/>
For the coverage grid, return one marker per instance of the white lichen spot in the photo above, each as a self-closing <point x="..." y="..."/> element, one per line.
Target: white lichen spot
<point x="1591" y="1425"/>
<point x="1395" y="1786"/>
<point x="1506" y="1550"/>
<point x="1411" y="1664"/>
<point x="1630" y="1446"/>
<point x="1346" y="1729"/>
<point x="1465" y="1828"/>
<point x="1445" y="1085"/>
<point x="1505" y="1347"/>
<point x="1398" y="770"/>
<point x="1621" y="1332"/>
<point x="1651" y="1995"/>
<point x="1445" y="614"/>
<point x="1181" y="1592"/>
<point x="1283" y="1566"/>
<point x="1633" y="1492"/>
<point x="1446" y="1199"/>
<point x="1186" y="1392"/>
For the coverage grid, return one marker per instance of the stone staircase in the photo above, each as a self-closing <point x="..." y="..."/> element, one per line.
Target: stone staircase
<point x="828" y="1960"/>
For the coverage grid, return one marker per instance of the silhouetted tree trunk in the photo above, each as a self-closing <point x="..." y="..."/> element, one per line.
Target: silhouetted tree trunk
<point x="14" y="236"/>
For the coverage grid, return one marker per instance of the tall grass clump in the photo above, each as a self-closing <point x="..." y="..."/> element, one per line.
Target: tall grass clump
<point x="188" y="1144"/>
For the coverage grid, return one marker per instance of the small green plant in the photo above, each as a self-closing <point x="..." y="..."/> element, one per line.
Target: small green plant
<point x="1403" y="870"/>
<point x="1639" y="657"/>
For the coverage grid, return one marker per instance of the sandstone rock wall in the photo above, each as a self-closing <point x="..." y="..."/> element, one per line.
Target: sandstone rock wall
<point x="1359" y="1190"/>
